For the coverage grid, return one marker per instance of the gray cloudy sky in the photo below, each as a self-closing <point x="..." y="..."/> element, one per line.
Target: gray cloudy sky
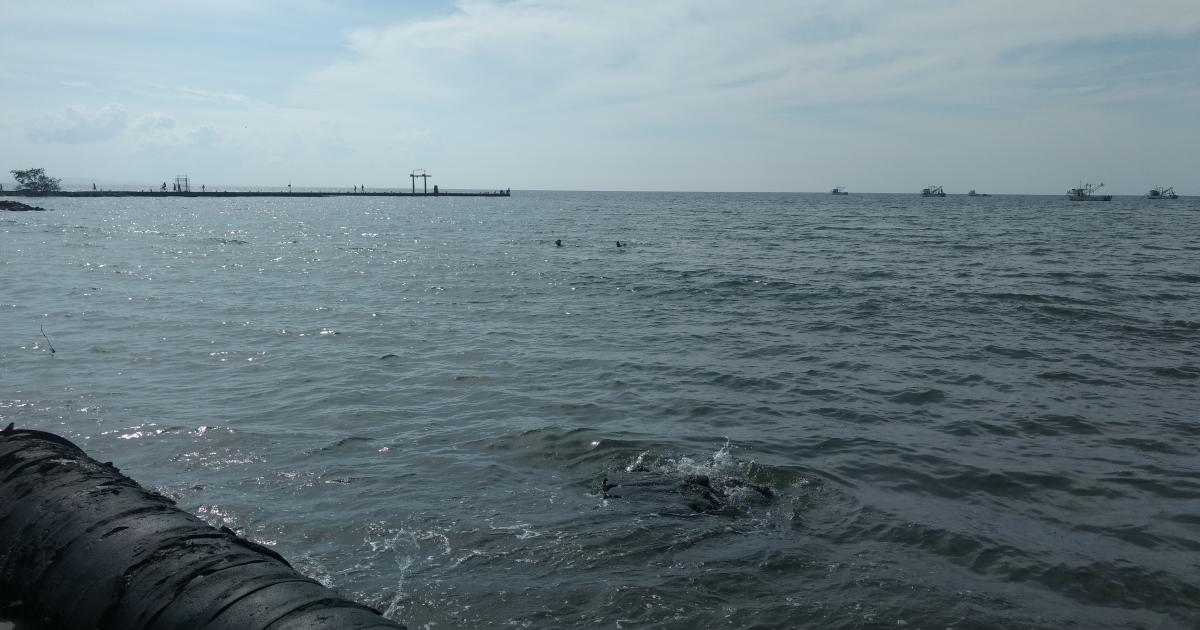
<point x="877" y="95"/>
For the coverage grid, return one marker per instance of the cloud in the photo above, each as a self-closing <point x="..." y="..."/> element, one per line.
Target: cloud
<point x="153" y="121"/>
<point x="671" y="94"/>
<point x="154" y="130"/>
<point x="698" y="56"/>
<point x="689" y="88"/>
<point x="202" y="136"/>
<point x="77" y="124"/>
<point x="161" y="134"/>
<point x="229" y="97"/>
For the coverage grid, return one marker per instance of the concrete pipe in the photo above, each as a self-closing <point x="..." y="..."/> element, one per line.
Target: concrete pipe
<point x="84" y="547"/>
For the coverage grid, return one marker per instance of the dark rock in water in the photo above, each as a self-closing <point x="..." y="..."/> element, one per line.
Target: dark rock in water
<point x="17" y="206"/>
<point x="701" y="493"/>
<point x="706" y="494"/>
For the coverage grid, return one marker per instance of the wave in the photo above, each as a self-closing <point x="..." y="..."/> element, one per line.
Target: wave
<point x="1177" y="372"/>
<point x="1067" y="375"/>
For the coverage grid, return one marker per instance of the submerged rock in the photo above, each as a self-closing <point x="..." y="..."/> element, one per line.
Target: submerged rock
<point x="17" y="206"/>
<point x="705" y="494"/>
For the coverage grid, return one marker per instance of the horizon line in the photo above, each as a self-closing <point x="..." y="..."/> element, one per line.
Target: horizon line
<point x="112" y="185"/>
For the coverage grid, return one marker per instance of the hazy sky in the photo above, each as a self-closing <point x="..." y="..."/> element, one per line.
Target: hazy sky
<point x="877" y="95"/>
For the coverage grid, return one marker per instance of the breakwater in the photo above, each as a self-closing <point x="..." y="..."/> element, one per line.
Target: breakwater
<point x="252" y="193"/>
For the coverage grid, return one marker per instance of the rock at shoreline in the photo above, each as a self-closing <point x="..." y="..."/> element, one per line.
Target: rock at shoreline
<point x="17" y="206"/>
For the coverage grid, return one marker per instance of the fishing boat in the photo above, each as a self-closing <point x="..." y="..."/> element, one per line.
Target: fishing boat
<point x="840" y="190"/>
<point x="933" y="191"/>
<point x="1162" y="193"/>
<point x="1087" y="192"/>
<point x="975" y="194"/>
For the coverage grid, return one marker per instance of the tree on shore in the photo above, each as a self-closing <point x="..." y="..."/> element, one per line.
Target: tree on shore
<point x="35" y="180"/>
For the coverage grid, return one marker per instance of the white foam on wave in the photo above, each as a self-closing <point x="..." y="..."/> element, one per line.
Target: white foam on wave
<point x="721" y="464"/>
<point x="406" y="546"/>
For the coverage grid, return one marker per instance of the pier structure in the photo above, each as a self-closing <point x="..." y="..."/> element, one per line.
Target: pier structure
<point x="255" y="193"/>
<point x="183" y="188"/>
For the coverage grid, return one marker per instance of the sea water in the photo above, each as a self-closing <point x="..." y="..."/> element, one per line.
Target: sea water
<point x="966" y="412"/>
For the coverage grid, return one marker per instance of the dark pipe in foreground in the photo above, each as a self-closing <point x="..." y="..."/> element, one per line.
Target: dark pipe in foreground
<point x="84" y="547"/>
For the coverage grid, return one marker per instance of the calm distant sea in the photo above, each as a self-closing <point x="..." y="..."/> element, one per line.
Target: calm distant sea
<point x="968" y="412"/>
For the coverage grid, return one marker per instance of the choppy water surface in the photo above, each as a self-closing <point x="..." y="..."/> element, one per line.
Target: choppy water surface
<point x="767" y="411"/>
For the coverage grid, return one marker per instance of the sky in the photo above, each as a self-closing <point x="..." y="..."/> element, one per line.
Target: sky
<point x="1003" y="96"/>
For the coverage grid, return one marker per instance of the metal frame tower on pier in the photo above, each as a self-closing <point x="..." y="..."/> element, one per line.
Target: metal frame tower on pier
<point x="424" y="177"/>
